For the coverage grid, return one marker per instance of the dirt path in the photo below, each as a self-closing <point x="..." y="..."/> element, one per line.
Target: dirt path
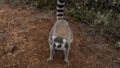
<point x="23" y="42"/>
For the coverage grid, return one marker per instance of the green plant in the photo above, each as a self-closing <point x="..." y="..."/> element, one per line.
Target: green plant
<point x="80" y="12"/>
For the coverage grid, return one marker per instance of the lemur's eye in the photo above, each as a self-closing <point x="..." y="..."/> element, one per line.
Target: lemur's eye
<point x="66" y="45"/>
<point x="54" y="45"/>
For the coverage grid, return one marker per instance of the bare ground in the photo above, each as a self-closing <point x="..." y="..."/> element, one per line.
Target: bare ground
<point x="23" y="42"/>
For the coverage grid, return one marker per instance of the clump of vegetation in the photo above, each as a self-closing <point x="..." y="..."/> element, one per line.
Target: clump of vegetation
<point x="48" y="4"/>
<point x="80" y="12"/>
<point x="16" y="3"/>
<point x="107" y="24"/>
<point x="103" y="15"/>
<point x="107" y="16"/>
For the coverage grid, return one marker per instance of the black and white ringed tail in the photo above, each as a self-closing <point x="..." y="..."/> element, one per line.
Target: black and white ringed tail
<point x="60" y="9"/>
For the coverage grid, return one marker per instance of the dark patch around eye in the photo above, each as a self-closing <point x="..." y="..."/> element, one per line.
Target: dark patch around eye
<point x="54" y="45"/>
<point x="66" y="45"/>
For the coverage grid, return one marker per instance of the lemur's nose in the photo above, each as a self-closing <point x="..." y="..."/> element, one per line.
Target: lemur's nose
<point x="59" y="46"/>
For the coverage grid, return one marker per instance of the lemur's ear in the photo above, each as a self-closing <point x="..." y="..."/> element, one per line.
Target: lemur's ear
<point x="64" y="40"/>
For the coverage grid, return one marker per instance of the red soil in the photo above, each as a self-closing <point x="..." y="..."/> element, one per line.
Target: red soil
<point x="23" y="42"/>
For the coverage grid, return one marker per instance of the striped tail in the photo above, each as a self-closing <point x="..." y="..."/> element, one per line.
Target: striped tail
<point x="60" y="8"/>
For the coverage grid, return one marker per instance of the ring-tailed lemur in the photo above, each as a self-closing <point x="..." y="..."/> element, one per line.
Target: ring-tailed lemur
<point x="60" y="36"/>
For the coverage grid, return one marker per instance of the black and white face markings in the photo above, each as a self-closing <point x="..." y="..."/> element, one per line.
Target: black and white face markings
<point x="59" y="44"/>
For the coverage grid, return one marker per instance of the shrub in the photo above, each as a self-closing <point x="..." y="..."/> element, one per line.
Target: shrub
<point x="80" y="12"/>
<point x="104" y="15"/>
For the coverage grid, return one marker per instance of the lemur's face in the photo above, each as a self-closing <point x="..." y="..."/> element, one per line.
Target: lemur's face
<point x="59" y="43"/>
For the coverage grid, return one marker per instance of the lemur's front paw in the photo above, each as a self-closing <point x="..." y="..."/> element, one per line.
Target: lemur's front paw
<point x="66" y="61"/>
<point x="49" y="59"/>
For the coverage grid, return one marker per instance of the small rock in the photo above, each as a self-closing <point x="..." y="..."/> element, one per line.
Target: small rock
<point x="23" y="26"/>
<point x="11" y="48"/>
<point x="20" y="25"/>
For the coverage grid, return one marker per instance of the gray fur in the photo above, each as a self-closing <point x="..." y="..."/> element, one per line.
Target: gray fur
<point x="58" y="40"/>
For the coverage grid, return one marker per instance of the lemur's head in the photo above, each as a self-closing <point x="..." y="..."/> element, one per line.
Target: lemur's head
<point x="59" y="42"/>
